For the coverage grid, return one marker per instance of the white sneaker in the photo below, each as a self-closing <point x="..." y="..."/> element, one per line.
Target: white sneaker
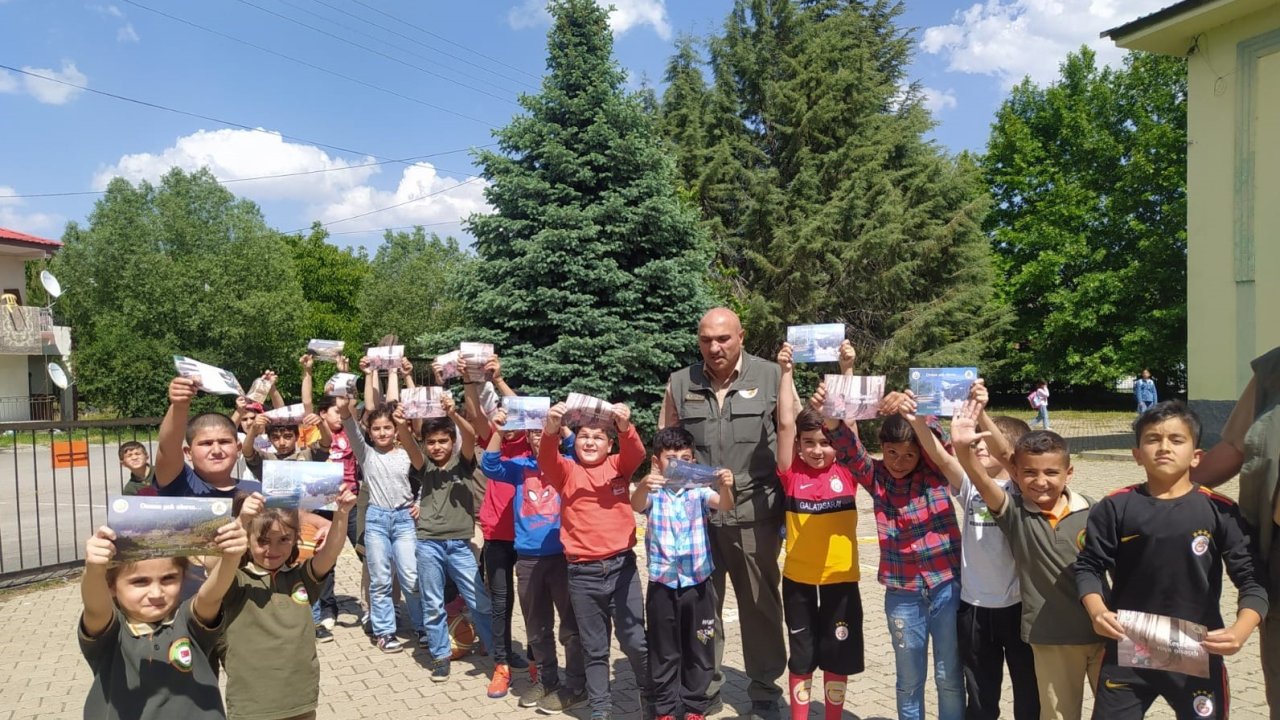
<point x="329" y="623"/>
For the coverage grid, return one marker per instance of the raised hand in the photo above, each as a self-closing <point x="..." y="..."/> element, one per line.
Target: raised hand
<point x="964" y="425"/>
<point x="784" y="358"/>
<point x="100" y="549"/>
<point x="555" y="418"/>
<point x="232" y="541"/>
<point x="621" y="416"/>
<point x="182" y="390"/>
<point x="978" y="393"/>
<point x="308" y="362"/>
<point x="847" y="356"/>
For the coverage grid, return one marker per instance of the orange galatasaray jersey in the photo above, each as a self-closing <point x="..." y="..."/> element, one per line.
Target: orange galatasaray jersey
<point x="822" y="524"/>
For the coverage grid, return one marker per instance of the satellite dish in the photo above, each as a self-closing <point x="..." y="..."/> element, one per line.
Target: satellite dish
<point x="58" y="375"/>
<point x="51" y="284"/>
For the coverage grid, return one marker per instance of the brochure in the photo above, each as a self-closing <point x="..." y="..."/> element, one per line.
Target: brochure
<point x="587" y="410"/>
<point x="341" y="385"/>
<point x="815" y="343"/>
<point x="212" y="379"/>
<point x="682" y="474"/>
<point x="448" y="363"/>
<point x="1159" y="642"/>
<point x="422" y="402"/>
<point x="326" y="350"/>
<point x="853" y="397"/>
<point x="386" y="357"/>
<point x="287" y="415"/>
<point x="153" y="527"/>
<point x="260" y="390"/>
<point x="476" y="354"/>
<point x="302" y="485"/>
<point x="941" y="391"/>
<point x="526" y="413"/>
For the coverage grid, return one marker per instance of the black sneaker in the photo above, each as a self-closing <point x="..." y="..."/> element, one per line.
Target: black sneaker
<point x="517" y="661"/>
<point x="424" y="640"/>
<point x="323" y="634"/>
<point x="390" y="644"/>
<point x="562" y="699"/>
<point x="440" y="670"/>
<point x="534" y="695"/>
<point x="763" y="710"/>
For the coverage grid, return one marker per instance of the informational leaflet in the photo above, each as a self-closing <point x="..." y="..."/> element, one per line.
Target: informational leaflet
<point x="1159" y="642"/>
<point x="587" y="410"/>
<point x="287" y="415"/>
<point x="682" y="474"/>
<point x="212" y="379"/>
<point x="448" y="363"/>
<point x="476" y="355"/>
<point x="154" y="527"/>
<point x="326" y="350"/>
<point x="526" y="413"/>
<point x="385" y="357"/>
<point x="341" y="385"/>
<point x="299" y="485"/>
<point x="852" y="397"/>
<point x="941" y="391"/>
<point x="815" y="343"/>
<point x="422" y="402"/>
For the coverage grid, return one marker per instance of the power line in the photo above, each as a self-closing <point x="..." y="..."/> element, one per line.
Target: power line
<point x="408" y="160"/>
<point x="447" y="40"/>
<point x="311" y="65"/>
<point x="397" y="227"/>
<point x="157" y="106"/>
<point x="410" y="38"/>
<point x="391" y="207"/>
<point x="376" y="52"/>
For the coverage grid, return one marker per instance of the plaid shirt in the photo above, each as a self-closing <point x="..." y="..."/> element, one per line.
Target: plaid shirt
<point x="915" y="521"/>
<point x="676" y="537"/>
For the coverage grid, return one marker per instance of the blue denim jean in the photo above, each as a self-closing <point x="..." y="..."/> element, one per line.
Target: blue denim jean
<point x="455" y="559"/>
<point x="914" y="617"/>
<point x="390" y="537"/>
<point x="1042" y="417"/>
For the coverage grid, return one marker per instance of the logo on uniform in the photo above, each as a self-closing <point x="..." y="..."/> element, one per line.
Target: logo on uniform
<point x="181" y="655"/>
<point x="1202" y="704"/>
<point x="836" y="485"/>
<point x="299" y="594"/>
<point x="1200" y="542"/>
<point x="1080" y="540"/>
<point x="749" y="393"/>
<point x="842" y="631"/>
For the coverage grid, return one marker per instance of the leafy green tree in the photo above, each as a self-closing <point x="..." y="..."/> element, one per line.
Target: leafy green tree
<point x="823" y="198"/>
<point x="331" y="279"/>
<point x="409" y="289"/>
<point x="183" y="267"/>
<point x="1089" y="224"/>
<point x="591" y="269"/>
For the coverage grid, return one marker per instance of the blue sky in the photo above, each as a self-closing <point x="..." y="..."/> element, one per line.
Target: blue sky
<point x="380" y="81"/>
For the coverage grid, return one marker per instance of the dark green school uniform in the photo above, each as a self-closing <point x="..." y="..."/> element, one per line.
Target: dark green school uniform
<point x="134" y="486"/>
<point x="269" y="650"/>
<point x="143" y="671"/>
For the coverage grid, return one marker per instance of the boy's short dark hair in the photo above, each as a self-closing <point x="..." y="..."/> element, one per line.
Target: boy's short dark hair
<point x="673" y="437"/>
<point x="808" y="420"/>
<point x="1167" y="410"/>
<point x="896" y="429"/>
<point x="291" y="428"/>
<point x="132" y="445"/>
<point x="325" y="402"/>
<point x="430" y="426"/>
<point x="1042" y="442"/>
<point x="1011" y="428"/>
<point x="209" y="421"/>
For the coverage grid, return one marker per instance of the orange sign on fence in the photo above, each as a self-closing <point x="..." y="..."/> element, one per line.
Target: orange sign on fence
<point x="70" y="454"/>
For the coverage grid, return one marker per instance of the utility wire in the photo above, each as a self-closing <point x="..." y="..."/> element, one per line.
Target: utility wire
<point x="375" y="51"/>
<point x="306" y="63"/>
<point x="408" y="160"/>
<point x="447" y="40"/>
<point x="391" y="207"/>
<point x="397" y="227"/>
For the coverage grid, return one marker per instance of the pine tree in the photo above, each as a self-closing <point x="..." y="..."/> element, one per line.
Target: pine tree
<point x="824" y="199"/>
<point x="591" y="272"/>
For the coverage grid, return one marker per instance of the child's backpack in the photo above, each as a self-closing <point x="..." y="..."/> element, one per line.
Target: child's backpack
<point x="1033" y="399"/>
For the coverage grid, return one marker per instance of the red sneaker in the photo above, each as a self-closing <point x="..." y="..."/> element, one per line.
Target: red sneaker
<point x="501" y="681"/>
<point x="694" y="716"/>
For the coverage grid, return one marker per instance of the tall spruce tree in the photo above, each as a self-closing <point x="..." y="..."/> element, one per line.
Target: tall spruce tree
<point x="592" y="271"/>
<point x="823" y="198"/>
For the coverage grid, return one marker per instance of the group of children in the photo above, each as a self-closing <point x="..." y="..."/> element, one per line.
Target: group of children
<point x="1023" y="582"/>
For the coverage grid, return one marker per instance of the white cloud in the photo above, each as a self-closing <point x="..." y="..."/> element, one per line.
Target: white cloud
<point x="1010" y="39"/>
<point x="938" y="100"/>
<point x="127" y="34"/>
<point x="326" y="196"/>
<point x="626" y="15"/>
<point x="45" y="91"/>
<point x="15" y="216"/>
<point x="108" y="10"/>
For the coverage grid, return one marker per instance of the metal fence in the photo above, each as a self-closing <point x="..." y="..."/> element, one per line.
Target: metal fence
<point x="55" y="478"/>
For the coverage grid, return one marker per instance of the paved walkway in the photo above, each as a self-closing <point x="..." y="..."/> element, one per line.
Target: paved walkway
<point x="43" y="675"/>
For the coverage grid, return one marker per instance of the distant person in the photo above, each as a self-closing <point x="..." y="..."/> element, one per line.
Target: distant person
<point x="1164" y="543"/>
<point x="142" y="478"/>
<point x="1250" y="446"/>
<point x="1039" y="401"/>
<point x="1144" y="389"/>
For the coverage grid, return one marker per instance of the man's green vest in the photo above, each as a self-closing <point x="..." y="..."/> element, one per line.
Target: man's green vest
<point x="740" y="435"/>
<point x="1261" y="470"/>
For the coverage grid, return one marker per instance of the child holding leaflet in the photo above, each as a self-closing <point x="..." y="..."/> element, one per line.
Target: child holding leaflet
<point x="681" y="602"/>
<point x="598" y="529"/>
<point x="820" y="597"/>
<point x="131" y="609"/>
<point x="211" y="445"/>
<point x="1164" y="543"/>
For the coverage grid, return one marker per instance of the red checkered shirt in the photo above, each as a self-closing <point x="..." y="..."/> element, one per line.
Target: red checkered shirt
<point x="915" y="521"/>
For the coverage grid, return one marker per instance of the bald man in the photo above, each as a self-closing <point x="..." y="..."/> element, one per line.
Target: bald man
<point x="727" y="402"/>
